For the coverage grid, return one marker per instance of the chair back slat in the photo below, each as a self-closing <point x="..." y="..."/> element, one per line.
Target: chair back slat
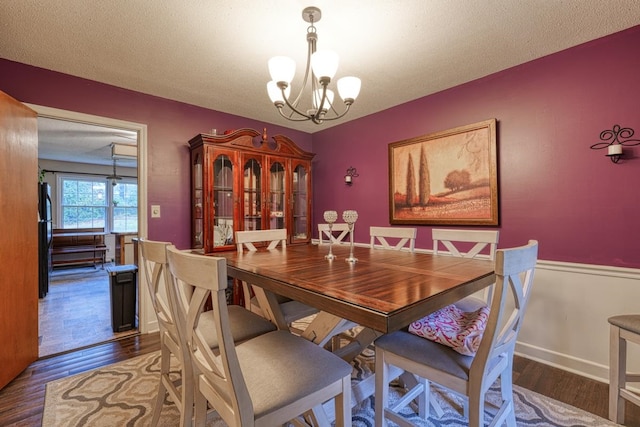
<point x="207" y="276"/>
<point x="474" y="242"/>
<point x="401" y="237"/>
<point x="339" y="227"/>
<point x="154" y="267"/>
<point x="467" y="244"/>
<point x="247" y="239"/>
<point x="515" y="269"/>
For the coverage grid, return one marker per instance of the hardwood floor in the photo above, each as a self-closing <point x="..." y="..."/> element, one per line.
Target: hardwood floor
<point x="575" y="390"/>
<point x="22" y="400"/>
<point x="76" y="312"/>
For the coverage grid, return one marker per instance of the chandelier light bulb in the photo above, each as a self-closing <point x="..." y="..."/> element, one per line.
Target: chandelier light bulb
<point x="349" y="88"/>
<point x="324" y="64"/>
<point x="282" y="69"/>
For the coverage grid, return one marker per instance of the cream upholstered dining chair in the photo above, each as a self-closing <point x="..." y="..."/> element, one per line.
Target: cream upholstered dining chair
<point x="399" y="237"/>
<point x="468" y="244"/>
<point x="469" y="376"/>
<point x="324" y="237"/>
<point x="265" y="381"/>
<point x="246" y="325"/>
<point x="290" y="310"/>
<point x="624" y="328"/>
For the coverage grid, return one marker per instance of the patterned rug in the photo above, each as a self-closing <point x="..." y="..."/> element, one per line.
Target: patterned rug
<point x="123" y="394"/>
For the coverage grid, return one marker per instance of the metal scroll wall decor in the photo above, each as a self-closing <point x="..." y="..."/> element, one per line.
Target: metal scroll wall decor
<point x="613" y="140"/>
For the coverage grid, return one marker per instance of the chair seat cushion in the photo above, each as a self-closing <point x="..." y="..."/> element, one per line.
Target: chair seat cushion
<point x="629" y="322"/>
<point x="295" y="310"/>
<point x="454" y="328"/>
<point x="244" y="325"/>
<point x="426" y="352"/>
<point x="279" y="368"/>
<point x="291" y="310"/>
<point x="279" y="299"/>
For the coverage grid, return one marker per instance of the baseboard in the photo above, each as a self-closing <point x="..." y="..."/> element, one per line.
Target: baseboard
<point x="575" y="365"/>
<point x="151" y="327"/>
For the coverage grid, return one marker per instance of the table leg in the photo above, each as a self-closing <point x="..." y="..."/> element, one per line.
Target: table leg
<point x="270" y="307"/>
<point x="323" y="327"/>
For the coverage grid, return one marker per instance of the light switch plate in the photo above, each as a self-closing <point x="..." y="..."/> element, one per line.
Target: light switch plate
<point x="155" y="211"/>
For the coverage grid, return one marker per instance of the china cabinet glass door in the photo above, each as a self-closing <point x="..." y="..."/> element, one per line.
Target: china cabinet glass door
<point x="252" y="190"/>
<point x="196" y="241"/>
<point x="277" y="197"/>
<point x="223" y="201"/>
<point x="300" y="203"/>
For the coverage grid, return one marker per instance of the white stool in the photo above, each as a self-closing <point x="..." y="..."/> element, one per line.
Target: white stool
<point x="623" y="328"/>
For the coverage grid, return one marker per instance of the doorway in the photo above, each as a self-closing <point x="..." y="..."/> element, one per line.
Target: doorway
<point x="84" y="290"/>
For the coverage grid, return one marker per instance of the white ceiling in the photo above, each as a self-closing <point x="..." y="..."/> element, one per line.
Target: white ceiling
<point x="214" y="53"/>
<point x="68" y="141"/>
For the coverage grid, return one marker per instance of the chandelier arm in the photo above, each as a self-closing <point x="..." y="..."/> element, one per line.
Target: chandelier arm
<point x="292" y="107"/>
<point x="339" y="116"/>
<point x="311" y="48"/>
<point x="323" y="99"/>
<point x="304" y="118"/>
<point x="332" y="108"/>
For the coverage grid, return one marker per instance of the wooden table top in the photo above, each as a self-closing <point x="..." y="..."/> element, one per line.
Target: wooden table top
<point x="385" y="290"/>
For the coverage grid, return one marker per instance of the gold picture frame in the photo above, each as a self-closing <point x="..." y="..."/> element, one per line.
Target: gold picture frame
<point x="445" y="178"/>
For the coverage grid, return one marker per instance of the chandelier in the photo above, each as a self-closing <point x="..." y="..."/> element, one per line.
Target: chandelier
<point x="321" y="67"/>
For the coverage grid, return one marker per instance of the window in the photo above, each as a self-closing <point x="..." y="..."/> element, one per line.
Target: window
<point x="124" y="207"/>
<point x="89" y="202"/>
<point x="83" y="203"/>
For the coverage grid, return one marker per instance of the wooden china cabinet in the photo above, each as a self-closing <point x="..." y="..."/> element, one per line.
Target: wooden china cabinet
<point x="246" y="181"/>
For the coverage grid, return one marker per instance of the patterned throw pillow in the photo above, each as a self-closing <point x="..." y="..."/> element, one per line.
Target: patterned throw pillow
<point x="453" y="327"/>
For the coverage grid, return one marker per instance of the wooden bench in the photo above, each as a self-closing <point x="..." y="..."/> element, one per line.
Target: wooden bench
<point x="78" y="246"/>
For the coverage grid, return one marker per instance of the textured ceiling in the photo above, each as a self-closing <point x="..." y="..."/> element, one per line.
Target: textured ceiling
<point x="67" y="141"/>
<point x="214" y="53"/>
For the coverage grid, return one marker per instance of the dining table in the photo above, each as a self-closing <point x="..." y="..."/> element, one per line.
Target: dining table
<point x="385" y="290"/>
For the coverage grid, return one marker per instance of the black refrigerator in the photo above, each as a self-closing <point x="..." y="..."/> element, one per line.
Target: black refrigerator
<point x="45" y="232"/>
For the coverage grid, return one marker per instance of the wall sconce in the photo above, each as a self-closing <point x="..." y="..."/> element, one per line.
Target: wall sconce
<point x="613" y="140"/>
<point x="351" y="173"/>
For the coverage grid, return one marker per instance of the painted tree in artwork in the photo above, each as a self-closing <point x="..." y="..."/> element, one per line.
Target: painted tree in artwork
<point x="411" y="184"/>
<point x="458" y="180"/>
<point x="424" y="185"/>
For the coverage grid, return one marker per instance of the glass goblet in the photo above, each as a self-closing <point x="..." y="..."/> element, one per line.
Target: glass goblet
<point x="330" y="217"/>
<point x="350" y="217"/>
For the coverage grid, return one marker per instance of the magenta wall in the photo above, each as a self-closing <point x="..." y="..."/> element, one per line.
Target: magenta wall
<point x="553" y="188"/>
<point x="580" y="206"/>
<point x="170" y="126"/>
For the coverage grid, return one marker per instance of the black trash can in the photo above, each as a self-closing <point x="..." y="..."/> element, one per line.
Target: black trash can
<point x="123" y="279"/>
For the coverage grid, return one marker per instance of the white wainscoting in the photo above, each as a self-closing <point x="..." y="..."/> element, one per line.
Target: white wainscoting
<point x="566" y="321"/>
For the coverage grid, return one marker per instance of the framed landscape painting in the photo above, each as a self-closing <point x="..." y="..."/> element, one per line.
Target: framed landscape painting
<point x="445" y="178"/>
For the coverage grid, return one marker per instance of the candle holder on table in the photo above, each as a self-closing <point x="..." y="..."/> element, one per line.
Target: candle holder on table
<point x="350" y="217"/>
<point x="330" y="217"/>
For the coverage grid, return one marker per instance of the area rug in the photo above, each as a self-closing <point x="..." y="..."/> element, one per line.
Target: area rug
<point x="123" y="394"/>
